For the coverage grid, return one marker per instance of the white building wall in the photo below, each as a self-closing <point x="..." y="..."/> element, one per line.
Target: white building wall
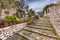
<point x="55" y="17"/>
<point x="11" y="12"/>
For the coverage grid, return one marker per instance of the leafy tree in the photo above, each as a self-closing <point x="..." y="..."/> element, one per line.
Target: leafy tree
<point x="27" y="8"/>
<point x="48" y="6"/>
<point x="19" y="4"/>
<point x="31" y="13"/>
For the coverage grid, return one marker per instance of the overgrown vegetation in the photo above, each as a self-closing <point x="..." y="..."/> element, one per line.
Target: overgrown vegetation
<point x="41" y="14"/>
<point x="48" y="6"/>
<point x="31" y="13"/>
<point x="11" y="18"/>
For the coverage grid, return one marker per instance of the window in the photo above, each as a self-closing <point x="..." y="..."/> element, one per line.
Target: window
<point x="47" y="11"/>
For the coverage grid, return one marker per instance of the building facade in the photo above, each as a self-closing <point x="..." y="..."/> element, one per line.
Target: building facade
<point x="53" y="13"/>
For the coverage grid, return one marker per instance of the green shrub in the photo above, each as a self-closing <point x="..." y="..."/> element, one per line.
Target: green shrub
<point x="11" y="18"/>
<point x="41" y="14"/>
<point x="25" y="19"/>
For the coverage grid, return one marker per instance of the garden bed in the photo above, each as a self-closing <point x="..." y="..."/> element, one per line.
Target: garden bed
<point x="10" y="25"/>
<point x="12" y="20"/>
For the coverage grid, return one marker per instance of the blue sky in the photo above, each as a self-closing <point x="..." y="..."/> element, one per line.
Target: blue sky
<point x="38" y="5"/>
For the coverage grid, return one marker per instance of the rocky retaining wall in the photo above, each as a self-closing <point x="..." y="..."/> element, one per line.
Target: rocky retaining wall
<point x="9" y="31"/>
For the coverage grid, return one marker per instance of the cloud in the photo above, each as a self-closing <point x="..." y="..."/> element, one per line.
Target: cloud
<point x="38" y="5"/>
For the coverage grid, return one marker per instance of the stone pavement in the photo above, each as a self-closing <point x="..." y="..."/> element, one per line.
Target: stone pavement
<point x="41" y="29"/>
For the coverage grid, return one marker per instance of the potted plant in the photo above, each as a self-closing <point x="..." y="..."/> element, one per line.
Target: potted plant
<point x="25" y="19"/>
<point x="14" y="22"/>
<point x="9" y="20"/>
<point x="22" y="20"/>
<point x="1" y="26"/>
<point x="14" y="19"/>
<point x="17" y="20"/>
<point x="5" y="24"/>
<point x="30" y="21"/>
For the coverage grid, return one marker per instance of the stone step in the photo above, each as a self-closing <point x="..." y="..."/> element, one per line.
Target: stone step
<point x="16" y="37"/>
<point x="42" y="27"/>
<point x="40" y="30"/>
<point x="36" y="36"/>
<point x="45" y="32"/>
<point x="28" y="38"/>
<point x="42" y="24"/>
<point x="42" y="21"/>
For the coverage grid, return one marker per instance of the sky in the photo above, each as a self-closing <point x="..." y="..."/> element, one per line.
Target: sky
<point x="38" y="5"/>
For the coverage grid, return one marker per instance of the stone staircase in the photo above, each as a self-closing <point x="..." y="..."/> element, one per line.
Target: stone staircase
<point x="41" y="29"/>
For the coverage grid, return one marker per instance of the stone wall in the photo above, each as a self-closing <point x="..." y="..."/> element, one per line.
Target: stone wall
<point x="11" y="12"/>
<point x="9" y="31"/>
<point x="54" y="15"/>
